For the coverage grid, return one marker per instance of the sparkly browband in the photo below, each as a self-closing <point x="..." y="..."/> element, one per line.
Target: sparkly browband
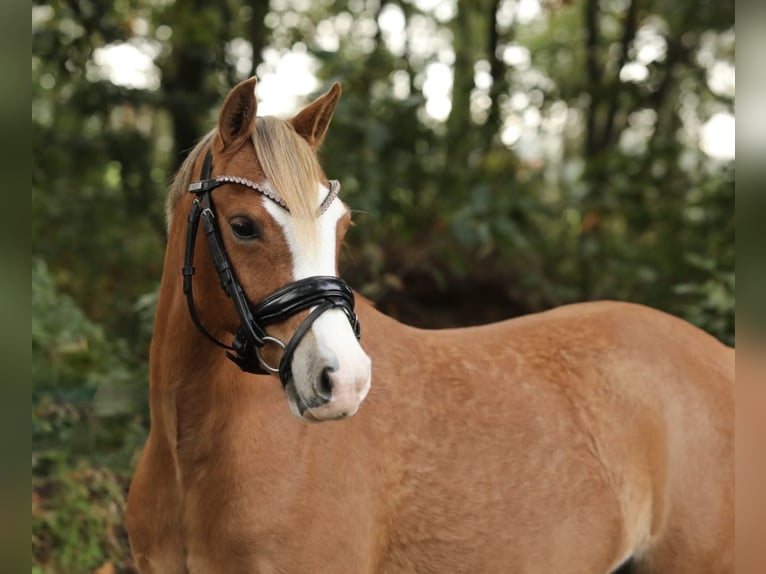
<point x="265" y="190"/>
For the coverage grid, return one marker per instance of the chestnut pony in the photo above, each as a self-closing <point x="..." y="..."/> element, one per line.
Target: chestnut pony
<point x="585" y="440"/>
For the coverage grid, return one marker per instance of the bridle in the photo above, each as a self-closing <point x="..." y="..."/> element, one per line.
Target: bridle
<point x="320" y="293"/>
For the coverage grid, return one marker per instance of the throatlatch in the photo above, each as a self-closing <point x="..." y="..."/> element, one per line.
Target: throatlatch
<point x="321" y="293"/>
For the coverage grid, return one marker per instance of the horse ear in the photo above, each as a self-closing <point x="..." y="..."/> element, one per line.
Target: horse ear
<point x="236" y="121"/>
<point x="312" y="122"/>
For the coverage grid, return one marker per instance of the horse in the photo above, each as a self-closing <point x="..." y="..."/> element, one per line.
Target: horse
<point x="587" y="439"/>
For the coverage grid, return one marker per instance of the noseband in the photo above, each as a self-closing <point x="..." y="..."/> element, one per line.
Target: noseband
<point x="321" y="293"/>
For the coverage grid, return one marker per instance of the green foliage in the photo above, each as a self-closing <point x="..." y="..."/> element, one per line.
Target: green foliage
<point x="72" y="358"/>
<point x="77" y="520"/>
<point x="88" y="418"/>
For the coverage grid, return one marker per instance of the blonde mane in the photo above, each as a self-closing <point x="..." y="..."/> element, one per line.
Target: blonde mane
<point x="179" y="185"/>
<point x="287" y="160"/>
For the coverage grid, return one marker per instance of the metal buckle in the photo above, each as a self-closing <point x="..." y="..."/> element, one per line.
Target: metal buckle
<point x="267" y="339"/>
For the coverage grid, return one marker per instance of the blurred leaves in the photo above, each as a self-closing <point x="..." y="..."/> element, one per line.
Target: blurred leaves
<point x="89" y="416"/>
<point x="77" y="521"/>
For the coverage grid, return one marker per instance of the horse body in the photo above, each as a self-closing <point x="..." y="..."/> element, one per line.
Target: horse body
<point x="558" y="439"/>
<point x="567" y="441"/>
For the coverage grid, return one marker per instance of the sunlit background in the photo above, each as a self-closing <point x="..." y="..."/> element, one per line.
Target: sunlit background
<point x="287" y="76"/>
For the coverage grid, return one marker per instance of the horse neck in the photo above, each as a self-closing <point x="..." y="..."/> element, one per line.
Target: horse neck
<point x="389" y="343"/>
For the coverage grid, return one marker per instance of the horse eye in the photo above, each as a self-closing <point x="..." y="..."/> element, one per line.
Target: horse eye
<point x="244" y="228"/>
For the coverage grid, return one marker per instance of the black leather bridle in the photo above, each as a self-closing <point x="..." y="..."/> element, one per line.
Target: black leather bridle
<point x="321" y="293"/>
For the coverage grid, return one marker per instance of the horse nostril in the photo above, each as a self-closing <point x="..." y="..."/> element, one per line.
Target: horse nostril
<point x="324" y="386"/>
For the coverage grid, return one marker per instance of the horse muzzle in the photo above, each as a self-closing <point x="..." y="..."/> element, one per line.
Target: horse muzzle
<point x="330" y="373"/>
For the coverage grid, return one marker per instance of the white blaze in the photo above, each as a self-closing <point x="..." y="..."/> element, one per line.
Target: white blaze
<point x="313" y="254"/>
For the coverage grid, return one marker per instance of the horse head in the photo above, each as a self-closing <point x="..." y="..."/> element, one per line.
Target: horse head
<point x="274" y="226"/>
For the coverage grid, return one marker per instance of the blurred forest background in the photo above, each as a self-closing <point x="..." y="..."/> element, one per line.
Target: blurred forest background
<point x="502" y="157"/>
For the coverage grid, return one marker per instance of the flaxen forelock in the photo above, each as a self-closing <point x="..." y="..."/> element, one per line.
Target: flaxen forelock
<point x="287" y="160"/>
